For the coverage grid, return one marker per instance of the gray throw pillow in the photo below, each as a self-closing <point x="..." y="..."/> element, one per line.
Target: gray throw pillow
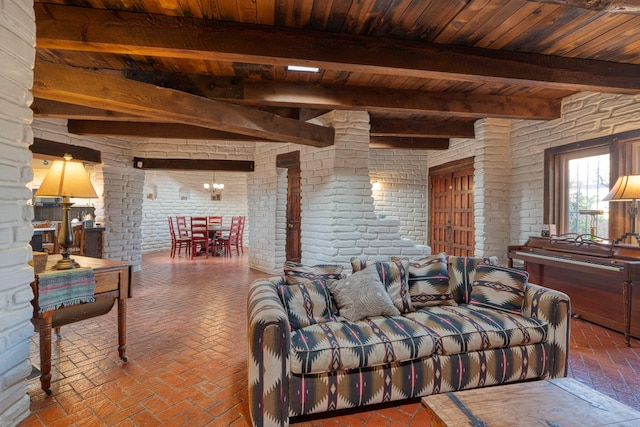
<point x="362" y="295"/>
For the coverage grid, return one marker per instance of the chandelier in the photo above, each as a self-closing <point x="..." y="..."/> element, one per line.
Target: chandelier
<point x="214" y="188"/>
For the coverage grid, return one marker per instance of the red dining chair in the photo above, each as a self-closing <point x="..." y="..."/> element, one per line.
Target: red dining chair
<point x="183" y="229"/>
<point x="231" y="239"/>
<point x="241" y="233"/>
<point x="200" y="235"/>
<point x="215" y="219"/>
<point x="177" y="242"/>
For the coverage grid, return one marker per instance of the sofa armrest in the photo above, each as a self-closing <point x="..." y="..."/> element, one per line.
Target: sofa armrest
<point x="269" y="342"/>
<point x="554" y="308"/>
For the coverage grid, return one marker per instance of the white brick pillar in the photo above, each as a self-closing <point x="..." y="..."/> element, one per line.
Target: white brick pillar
<point x="492" y="183"/>
<point x="17" y="53"/>
<point x="338" y="217"/>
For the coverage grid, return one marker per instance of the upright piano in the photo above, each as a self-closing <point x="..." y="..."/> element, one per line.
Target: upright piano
<point x="598" y="277"/>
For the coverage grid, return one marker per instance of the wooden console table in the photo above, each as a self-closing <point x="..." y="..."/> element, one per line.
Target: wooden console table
<point x="113" y="283"/>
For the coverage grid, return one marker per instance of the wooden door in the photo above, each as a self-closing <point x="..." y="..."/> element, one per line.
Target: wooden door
<point x="291" y="161"/>
<point x="451" y="208"/>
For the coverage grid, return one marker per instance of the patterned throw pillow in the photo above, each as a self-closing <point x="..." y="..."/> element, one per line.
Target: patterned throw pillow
<point x="497" y="287"/>
<point x="298" y="273"/>
<point x="395" y="278"/>
<point x="429" y="282"/>
<point x="461" y="273"/>
<point x="361" y="295"/>
<point x="307" y="303"/>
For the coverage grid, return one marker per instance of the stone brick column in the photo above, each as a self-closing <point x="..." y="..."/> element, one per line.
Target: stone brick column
<point x="17" y="53"/>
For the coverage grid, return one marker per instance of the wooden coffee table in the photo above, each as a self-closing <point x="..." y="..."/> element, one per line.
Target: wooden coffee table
<point x="558" y="402"/>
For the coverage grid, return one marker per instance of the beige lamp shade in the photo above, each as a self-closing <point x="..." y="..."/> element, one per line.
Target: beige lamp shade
<point x="67" y="179"/>
<point x="626" y="188"/>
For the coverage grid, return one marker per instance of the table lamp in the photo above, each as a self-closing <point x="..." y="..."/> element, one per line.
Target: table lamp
<point x="627" y="189"/>
<point x="66" y="179"/>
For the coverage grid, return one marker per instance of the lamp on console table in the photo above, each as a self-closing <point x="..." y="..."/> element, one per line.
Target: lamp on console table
<point x="627" y="189"/>
<point x="66" y="179"/>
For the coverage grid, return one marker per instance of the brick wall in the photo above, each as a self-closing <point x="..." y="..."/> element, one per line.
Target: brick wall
<point x="17" y="40"/>
<point x="584" y="116"/>
<point x="403" y="194"/>
<point x="338" y="216"/>
<point x="492" y="182"/>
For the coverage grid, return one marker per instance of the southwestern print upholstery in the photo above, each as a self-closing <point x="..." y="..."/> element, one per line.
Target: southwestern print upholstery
<point x="296" y="273"/>
<point x="394" y="276"/>
<point x="406" y="356"/>
<point x="307" y="303"/>
<point x="462" y="270"/>
<point x="429" y="282"/>
<point x="499" y="287"/>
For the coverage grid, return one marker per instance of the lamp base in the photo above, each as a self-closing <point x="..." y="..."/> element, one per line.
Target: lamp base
<point x="65" y="264"/>
<point x="625" y="235"/>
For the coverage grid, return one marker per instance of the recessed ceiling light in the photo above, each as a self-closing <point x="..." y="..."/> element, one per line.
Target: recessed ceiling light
<point x="300" y="68"/>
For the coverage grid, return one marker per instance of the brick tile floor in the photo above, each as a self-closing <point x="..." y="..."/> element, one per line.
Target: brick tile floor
<point x="187" y="358"/>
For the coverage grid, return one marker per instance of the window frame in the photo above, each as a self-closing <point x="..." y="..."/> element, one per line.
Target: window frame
<point x="624" y="155"/>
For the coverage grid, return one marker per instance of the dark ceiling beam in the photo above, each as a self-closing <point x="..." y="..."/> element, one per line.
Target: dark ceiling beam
<point x="393" y="143"/>
<point x="96" y="90"/>
<point x="65" y="27"/>
<point x="620" y="6"/>
<point x="52" y="149"/>
<point x="194" y="164"/>
<point x="153" y="130"/>
<point x="423" y="128"/>
<point x="374" y="99"/>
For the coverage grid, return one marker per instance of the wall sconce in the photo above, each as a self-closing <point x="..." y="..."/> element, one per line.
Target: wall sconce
<point x="376" y="186"/>
<point x="214" y="188"/>
<point x="66" y="179"/>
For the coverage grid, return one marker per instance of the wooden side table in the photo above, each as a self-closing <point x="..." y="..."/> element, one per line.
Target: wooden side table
<point x="113" y="283"/>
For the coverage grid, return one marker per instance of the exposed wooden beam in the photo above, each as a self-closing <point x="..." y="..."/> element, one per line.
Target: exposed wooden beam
<point x="374" y="99"/>
<point x="422" y="128"/>
<point x="153" y="130"/>
<point x="65" y="27"/>
<point x="193" y="164"/>
<point x="91" y="89"/>
<point x="59" y="149"/>
<point x="45" y="108"/>
<point x="377" y="143"/>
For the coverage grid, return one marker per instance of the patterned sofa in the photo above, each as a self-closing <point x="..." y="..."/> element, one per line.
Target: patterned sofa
<point x="446" y="340"/>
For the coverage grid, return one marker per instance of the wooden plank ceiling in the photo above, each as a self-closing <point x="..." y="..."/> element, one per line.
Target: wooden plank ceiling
<point x="425" y="70"/>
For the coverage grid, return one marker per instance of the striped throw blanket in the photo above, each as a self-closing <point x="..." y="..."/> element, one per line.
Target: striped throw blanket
<point x="65" y="288"/>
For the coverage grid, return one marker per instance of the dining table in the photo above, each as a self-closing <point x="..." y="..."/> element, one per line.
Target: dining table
<point x="215" y="232"/>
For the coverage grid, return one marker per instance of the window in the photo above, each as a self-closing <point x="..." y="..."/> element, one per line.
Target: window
<point x="586" y="184"/>
<point x="578" y="177"/>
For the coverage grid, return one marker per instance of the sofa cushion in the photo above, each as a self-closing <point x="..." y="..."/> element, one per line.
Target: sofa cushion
<point x="361" y="295"/>
<point x="296" y="273"/>
<point x="461" y="273"/>
<point x="429" y="282"/>
<point x="345" y="345"/>
<point x="307" y="303"/>
<point x="499" y="287"/>
<point x="395" y="278"/>
<point x="467" y="328"/>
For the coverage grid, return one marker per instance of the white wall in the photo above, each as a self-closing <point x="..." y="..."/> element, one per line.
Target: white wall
<point x="403" y="175"/>
<point x="17" y="40"/>
<point x="584" y="116"/>
<point x="338" y="217"/>
<point x="167" y="186"/>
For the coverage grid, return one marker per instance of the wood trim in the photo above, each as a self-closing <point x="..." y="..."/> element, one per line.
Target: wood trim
<point x="59" y="149"/>
<point x="453" y="166"/>
<point x="289" y="160"/>
<point x="194" y="164"/>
